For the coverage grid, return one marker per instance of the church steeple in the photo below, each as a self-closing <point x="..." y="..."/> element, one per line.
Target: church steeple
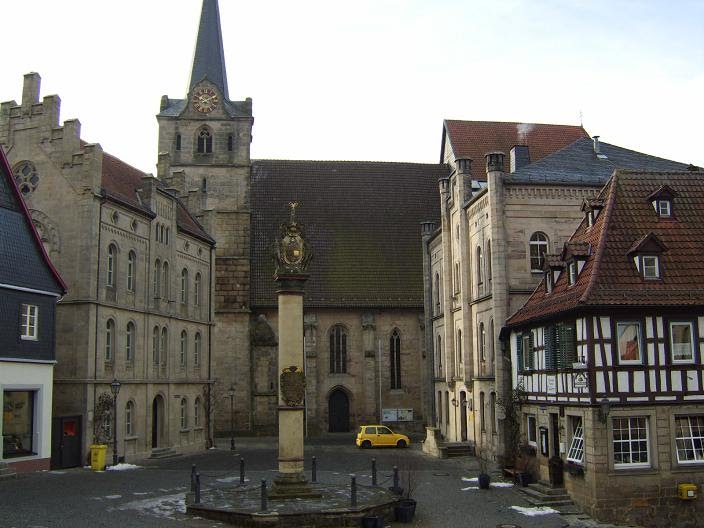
<point x="209" y="56"/>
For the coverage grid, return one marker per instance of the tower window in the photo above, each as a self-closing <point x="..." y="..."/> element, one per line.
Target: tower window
<point x="205" y="141"/>
<point x="178" y="141"/>
<point x="230" y="143"/>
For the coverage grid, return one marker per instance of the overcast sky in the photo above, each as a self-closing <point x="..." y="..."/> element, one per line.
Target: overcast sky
<point x="372" y="79"/>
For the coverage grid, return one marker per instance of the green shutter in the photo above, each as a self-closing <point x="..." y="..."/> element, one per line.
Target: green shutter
<point x="567" y="345"/>
<point x="531" y="350"/>
<point x="550" y="347"/>
<point x="519" y="351"/>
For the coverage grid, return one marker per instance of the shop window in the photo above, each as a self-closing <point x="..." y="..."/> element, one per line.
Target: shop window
<point x="631" y="442"/>
<point x="17" y="424"/>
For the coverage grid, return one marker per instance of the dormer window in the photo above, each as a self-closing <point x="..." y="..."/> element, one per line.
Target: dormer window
<point x="590" y="218"/>
<point x="572" y="272"/>
<point x="662" y="201"/>
<point x="651" y="267"/>
<point x="646" y="256"/>
<point x="664" y="208"/>
<point x="547" y="279"/>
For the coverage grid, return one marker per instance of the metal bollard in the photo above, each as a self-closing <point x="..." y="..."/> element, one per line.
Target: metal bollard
<point x="197" y="488"/>
<point x="396" y="486"/>
<point x="353" y="489"/>
<point x="193" y="478"/>
<point x="241" y="470"/>
<point x="373" y="471"/>
<point x="264" y="505"/>
<point x="314" y="471"/>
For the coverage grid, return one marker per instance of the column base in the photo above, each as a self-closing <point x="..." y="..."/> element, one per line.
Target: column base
<point x="292" y="486"/>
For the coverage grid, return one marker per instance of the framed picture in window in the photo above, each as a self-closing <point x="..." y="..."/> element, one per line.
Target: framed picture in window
<point x="629" y="342"/>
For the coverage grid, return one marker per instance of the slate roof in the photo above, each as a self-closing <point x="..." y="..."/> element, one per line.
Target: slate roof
<point x="209" y="56"/>
<point x="23" y="260"/>
<point x="362" y="220"/>
<point x="474" y="139"/>
<point x="577" y="163"/>
<point x="120" y="182"/>
<point x="609" y="276"/>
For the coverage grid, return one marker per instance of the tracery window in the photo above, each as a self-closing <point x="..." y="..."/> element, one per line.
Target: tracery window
<point x="205" y="141"/>
<point x="395" y="359"/>
<point x="338" y="350"/>
<point x="26" y="177"/>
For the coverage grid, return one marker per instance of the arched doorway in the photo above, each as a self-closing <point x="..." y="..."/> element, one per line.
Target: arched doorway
<point x="463" y="415"/>
<point x="157" y="420"/>
<point x="339" y="412"/>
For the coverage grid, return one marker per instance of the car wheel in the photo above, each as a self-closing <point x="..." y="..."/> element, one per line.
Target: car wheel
<point x="366" y="444"/>
<point x="401" y="443"/>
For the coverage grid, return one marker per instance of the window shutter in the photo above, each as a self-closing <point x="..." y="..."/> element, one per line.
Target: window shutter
<point x="550" y="347"/>
<point x="567" y="345"/>
<point x="531" y="348"/>
<point x="519" y="351"/>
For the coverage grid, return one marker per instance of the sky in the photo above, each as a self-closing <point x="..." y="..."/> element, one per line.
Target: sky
<point x="372" y="79"/>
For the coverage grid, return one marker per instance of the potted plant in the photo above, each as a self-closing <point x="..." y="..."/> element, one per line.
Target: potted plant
<point x="405" y="508"/>
<point x="483" y="477"/>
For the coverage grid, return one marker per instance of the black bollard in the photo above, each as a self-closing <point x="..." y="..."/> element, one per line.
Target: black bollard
<point x="314" y="471"/>
<point x="353" y="489"/>
<point x="373" y="471"/>
<point x="197" y="488"/>
<point x="264" y="506"/>
<point x="241" y="470"/>
<point x="193" y="478"/>
<point x="396" y="486"/>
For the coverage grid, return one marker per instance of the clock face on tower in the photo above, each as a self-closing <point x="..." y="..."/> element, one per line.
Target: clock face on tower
<point x="205" y="100"/>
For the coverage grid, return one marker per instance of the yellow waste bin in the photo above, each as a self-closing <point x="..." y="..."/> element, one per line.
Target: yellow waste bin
<point x="97" y="456"/>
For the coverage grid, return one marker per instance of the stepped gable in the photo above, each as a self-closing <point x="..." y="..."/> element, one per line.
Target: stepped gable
<point x="473" y="139"/>
<point x="609" y="276"/>
<point x="120" y="182"/>
<point x="23" y="259"/>
<point x="362" y="220"/>
<point x="578" y="163"/>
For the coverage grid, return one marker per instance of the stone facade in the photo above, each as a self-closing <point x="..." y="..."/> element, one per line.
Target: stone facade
<point x="114" y="244"/>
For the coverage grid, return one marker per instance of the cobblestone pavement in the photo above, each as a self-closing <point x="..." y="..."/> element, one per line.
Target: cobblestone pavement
<point x="153" y="495"/>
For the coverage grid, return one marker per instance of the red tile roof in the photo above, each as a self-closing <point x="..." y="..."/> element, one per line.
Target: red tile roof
<point x="120" y="182"/>
<point x="609" y="276"/>
<point x="474" y="139"/>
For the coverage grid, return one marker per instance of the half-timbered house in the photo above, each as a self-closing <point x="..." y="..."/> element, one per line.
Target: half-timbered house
<point x="607" y="353"/>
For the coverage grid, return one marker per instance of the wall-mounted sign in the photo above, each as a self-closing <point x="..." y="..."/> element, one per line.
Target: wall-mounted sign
<point x="544" y="441"/>
<point x="551" y="384"/>
<point x="397" y="415"/>
<point x="580" y="380"/>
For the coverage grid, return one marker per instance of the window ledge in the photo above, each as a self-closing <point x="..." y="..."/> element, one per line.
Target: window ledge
<point x="688" y="468"/>
<point x="187" y="430"/>
<point x="130" y="438"/>
<point x="199" y="428"/>
<point x="633" y="472"/>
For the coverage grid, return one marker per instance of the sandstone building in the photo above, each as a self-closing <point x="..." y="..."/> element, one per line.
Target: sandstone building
<point x="138" y="268"/>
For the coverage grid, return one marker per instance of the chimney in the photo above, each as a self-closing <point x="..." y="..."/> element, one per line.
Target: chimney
<point x="597" y="148"/>
<point x="519" y="157"/>
<point x="495" y="161"/>
<point x="464" y="165"/>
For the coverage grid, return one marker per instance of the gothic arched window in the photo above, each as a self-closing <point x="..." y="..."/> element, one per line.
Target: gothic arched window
<point x="395" y="359"/>
<point x="338" y="350"/>
<point x="538" y="249"/>
<point x="205" y="141"/>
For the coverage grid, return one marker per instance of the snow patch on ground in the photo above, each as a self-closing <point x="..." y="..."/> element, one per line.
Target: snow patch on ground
<point x="501" y="485"/>
<point x="533" y="512"/>
<point x="470" y="488"/>
<point x="113" y="497"/>
<point x="473" y="479"/>
<point x="165" y="506"/>
<point x="123" y="467"/>
<point x="227" y="480"/>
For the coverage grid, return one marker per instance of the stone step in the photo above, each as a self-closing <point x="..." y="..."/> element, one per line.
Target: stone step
<point x="458" y="450"/>
<point x="164" y="452"/>
<point x="547" y="499"/>
<point x="546" y="489"/>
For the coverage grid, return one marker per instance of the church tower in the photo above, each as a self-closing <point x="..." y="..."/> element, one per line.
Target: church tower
<point x="204" y="156"/>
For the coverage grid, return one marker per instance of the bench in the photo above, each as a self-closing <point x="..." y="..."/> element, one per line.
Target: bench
<point x="518" y="471"/>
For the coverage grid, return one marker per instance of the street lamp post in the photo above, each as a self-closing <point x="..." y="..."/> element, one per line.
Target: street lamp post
<point x="115" y="388"/>
<point x="231" y="392"/>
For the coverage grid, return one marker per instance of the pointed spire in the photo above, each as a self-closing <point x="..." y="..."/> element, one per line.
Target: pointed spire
<point x="209" y="57"/>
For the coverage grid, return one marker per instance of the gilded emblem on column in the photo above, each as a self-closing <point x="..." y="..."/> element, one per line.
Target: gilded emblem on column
<point x="291" y="253"/>
<point x="293" y="386"/>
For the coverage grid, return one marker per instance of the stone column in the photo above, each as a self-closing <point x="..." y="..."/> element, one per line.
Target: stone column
<point x="292" y="258"/>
